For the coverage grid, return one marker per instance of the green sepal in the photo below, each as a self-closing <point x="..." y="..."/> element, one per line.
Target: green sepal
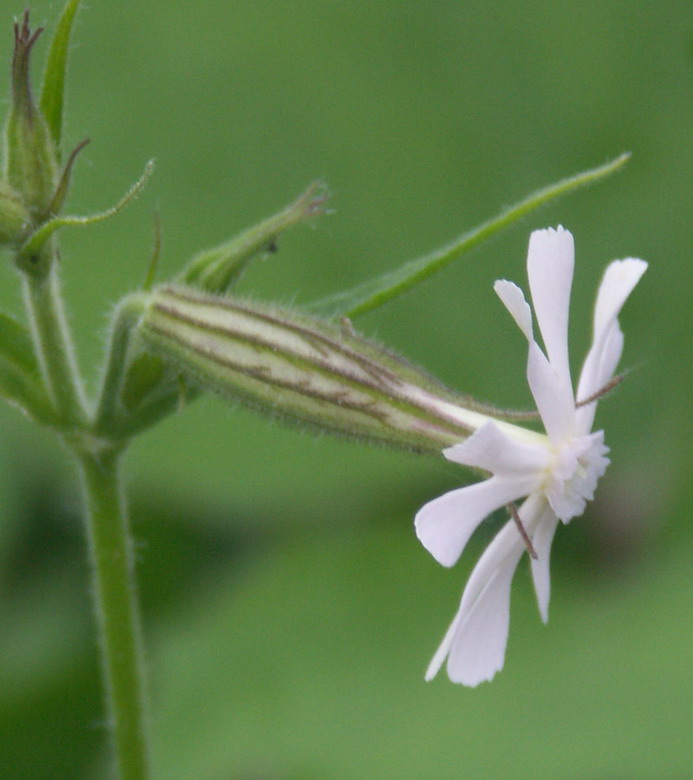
<point x="34" y="244"/>
<point x="14" y="217"/>
<point x="138" y="388"/>
<point x="20" y="376"/>
<point x="53" y="90"/>
<point x="217" y="270"/>
<point x="371" y="294"/>
<point x="153" y="389"/>
<point x="145" y="373"/>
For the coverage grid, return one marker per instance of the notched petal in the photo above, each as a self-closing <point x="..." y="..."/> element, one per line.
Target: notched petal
<point x="445" y="524"/>
<point x="550" y="262"/>
<point x="618" y="282"/>
<point x="514" y="301"/>
<point x="477" y="648"/>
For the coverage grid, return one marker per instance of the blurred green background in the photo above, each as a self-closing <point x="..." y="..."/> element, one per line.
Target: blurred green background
<point x="290" y="612"/>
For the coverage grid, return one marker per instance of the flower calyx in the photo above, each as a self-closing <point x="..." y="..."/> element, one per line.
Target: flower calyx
<point x="303" y="369"/>
<point x="31" y="161"/>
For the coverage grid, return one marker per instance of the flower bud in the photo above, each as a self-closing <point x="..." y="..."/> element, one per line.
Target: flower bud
<point x="304" y="369"/>
<point x="30" y="164"/>
<point x="218" y="269"/>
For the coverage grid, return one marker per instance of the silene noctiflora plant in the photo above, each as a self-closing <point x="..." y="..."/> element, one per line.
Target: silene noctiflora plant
<point x="169" y="343"/>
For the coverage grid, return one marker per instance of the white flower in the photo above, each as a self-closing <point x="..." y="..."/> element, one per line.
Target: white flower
<point x="557" y="472"/>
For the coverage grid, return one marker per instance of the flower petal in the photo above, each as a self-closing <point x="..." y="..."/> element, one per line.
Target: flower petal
<point x="514" y="301"/>
<point x="475" y="642"/>
<point x="477" y="646"/>
<point x="445" y="524"/>
<point x="541" y="540"/>
<point x="550" y="262"/>
<point x="443" y="649"/>
<point x="618" y="282"/>
<point x="552" y="395"/>
<point x="491" y="449"/>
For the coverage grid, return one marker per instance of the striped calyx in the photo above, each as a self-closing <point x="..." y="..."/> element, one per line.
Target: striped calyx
<point x="304" y="369"/>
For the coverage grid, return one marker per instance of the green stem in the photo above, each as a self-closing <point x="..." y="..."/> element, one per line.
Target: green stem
<point x="107" y="523"/>
<point x="53" y="346"/>
<point x="116" y="611"/>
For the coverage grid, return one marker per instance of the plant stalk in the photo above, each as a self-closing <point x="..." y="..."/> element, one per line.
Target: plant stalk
<point x="115" y="600"/>
<point x="54" y="347"/>
<point x="110" y="546"/>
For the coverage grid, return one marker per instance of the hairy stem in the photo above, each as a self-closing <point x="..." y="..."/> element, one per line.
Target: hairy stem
<point x="107" y="406"/>
<point x="54" y="347"/>
<point x="106" y="521"/>
<point x="116" y="611"/>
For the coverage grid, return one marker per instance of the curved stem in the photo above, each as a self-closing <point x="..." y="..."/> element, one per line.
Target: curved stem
<point x="124" y="320"/>
<point x="110" y="550"/>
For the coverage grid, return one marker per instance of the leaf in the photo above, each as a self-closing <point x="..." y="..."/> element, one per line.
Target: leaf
<point x="371" y="294"/>
<point x="16" y="346"/>
<point x="53" y="92"/>
<point x="20" y="378"/>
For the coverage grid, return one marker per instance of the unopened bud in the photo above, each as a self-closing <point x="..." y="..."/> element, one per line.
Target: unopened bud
<point x="30" y="165"/>
<point x="218" y="269"/>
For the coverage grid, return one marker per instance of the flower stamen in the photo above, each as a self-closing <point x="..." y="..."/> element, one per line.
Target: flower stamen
<point x="512" y="509"/>
<point x="608" y="387"/>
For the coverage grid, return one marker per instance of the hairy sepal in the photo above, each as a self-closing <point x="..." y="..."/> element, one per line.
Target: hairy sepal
<point x="299" y="368"/>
